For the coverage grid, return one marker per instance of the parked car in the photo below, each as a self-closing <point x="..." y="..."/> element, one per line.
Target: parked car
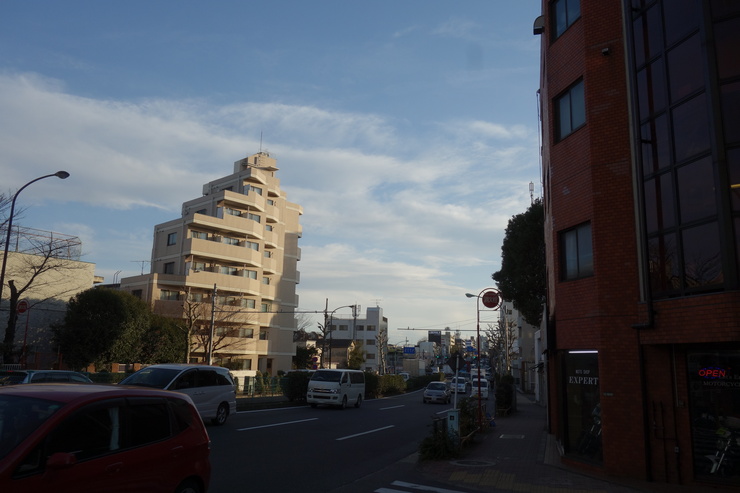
<point x="480" y="389"/>
<point x="459" y="385"/>
<point x="101" y="438"/>
<point x="13" y="377"/>
<point x="437" y="392"/>
<point x="211" y="388"/>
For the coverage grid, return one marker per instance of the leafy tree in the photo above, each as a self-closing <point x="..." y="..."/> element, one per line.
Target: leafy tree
<point x="522" y="276"/>
<point x="303" y="359"/>
<point x="356" y="356"/>
<point x="163" y="342"/>
<point x="102" y="326"/>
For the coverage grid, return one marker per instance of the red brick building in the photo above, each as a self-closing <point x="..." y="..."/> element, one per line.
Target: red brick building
<point x="640" y="105"/>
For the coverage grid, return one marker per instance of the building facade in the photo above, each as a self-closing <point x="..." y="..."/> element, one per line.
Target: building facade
<point x="371" y="332"/>
<point x="228" y="268"/>
<point x="46" y="267"/>
<point x="640" y="107"/>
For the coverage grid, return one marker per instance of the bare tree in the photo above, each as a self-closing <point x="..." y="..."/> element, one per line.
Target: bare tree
<point x="501" y="344"/>
<point x="41" y="262"/>
<point x="198" y="315"/>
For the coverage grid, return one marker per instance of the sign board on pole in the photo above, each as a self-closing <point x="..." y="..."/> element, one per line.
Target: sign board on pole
<point x="22" y="306"/>
<point x="490" y="299"/>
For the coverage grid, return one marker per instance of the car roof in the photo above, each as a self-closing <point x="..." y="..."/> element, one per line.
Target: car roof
<point x="70" y="392"/>
<point x="183" y="366"/>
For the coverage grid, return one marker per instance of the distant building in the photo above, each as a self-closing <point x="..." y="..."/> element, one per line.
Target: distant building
<point x="228" y="266"/>
<point x="640" y="106"/>
<point x="370" y="331"/>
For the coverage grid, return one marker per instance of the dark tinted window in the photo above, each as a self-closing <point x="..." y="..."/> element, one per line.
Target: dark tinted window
<point x="185" y="381"/>
<point x="86" y="434"/>
<point x="147" y="421"/>
<point x="183" y="415"/>
<point x="157" y="378"/>
<point x="207" y="378"/>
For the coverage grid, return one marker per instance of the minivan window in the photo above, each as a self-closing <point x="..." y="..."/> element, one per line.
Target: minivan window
<point x="157" y="378"/>
<point x="326" y="376"/>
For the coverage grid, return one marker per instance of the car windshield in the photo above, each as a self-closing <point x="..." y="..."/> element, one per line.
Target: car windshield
<point x="19" y="416"/>
<point x="157" y="378"/>
<point x="436" y="386"/>
<point x="326" y="376"/>
<point x="11" y="377"/>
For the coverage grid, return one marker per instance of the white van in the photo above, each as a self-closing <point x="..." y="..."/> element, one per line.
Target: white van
<point x="336" y="388"/>
<point x="211" y="388"/>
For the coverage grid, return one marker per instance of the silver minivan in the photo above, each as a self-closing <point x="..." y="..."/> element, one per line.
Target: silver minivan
<point x="211" y="388"/>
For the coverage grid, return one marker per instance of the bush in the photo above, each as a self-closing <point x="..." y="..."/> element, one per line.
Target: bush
<point x="505" y="392"/>
<point x="440" y="444"/>
<point x="372" y="385"/>
<point x="391" y="385"/>
<point x="295" y="385"/>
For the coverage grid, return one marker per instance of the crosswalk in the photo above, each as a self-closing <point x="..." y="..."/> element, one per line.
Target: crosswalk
<point x="407" y="487"/>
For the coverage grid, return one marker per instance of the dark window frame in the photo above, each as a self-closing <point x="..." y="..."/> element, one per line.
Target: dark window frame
<point x="567" y="97"/>
<point x="583" y="267"/>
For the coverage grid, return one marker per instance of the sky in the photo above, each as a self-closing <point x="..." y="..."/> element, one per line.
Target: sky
<point x="406" y="129"/>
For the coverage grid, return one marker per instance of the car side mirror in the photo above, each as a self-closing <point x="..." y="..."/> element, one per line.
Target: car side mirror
<point x="61" y="460"/>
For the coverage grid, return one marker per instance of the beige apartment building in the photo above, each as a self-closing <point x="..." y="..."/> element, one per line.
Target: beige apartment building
<point x="228" y="269"/>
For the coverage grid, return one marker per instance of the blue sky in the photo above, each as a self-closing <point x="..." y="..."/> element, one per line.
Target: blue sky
<point x="406" y="129"/>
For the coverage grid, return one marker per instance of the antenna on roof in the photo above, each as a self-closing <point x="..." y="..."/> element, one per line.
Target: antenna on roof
<point x="260" y="141"/>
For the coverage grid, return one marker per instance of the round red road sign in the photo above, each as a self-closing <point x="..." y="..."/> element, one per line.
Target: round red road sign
<point x="22" y="306"/>
<point x="490" y="299"/>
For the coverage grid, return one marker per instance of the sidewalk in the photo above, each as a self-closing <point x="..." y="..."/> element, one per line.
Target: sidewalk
<point x="518" y="455"/>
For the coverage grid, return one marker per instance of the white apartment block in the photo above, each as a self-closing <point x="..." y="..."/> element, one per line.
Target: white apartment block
<point x="371" y="332"/>
<point x="228" y="266"/>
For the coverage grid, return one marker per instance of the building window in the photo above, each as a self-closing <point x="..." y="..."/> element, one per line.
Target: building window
<point x="231" y="271"/>
<point x="266" y="280"/>
<point x="137" y="293"/>
<point x="169" y="295"/>
<point x="265" y="307"/>
<point x="370" y="327"/>
<point x="230" y="241"/>
<point x="246" y="333"/>
<point x="270" y="202"/>
<point x="369" y="356"/>
<point x="251" y="188"/>
<point x="199" y="235"/>
<point x="252" y="246"/>
<point x="251" y="274"/>
<point x="250" y="303"/>
<point x="169" y="268"/>
<point x="232" y="212"/>
<point x="343" y="327"/>
<point x="254" y="217"/>
<point x="171" y="239"/>
<point x="570" y="111"/>
<point x="263" y="335"/>
<point x="577" y="252"/>
<point x="268" y="227"/>
<point x="564" y="13"/>
<point x="268" y="254"/>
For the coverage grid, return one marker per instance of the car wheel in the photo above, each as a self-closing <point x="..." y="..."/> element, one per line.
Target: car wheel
<point x="343" y="405"/>
<point x="221" y="414"/>
<point x="189" y="486"/>
<point x="359" y="401"/>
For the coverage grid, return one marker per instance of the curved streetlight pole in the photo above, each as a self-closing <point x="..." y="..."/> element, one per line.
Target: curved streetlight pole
<point x="492" y="301"/>
<point x="331" y="319"/>
<point x="60" y="174"/>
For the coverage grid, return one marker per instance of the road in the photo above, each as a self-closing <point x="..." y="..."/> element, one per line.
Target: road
<point x="301" y="449"/>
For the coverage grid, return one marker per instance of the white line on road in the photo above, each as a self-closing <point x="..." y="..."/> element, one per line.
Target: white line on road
<point x="419" y="487"/>
<point x="392" y="407"/>
<point x="365" y="433"/>
<point x="276" y="424"/>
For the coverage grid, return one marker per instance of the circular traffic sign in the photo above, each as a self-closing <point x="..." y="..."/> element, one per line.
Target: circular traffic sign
<point x="490" y="299"/>
<point x="22" y="306"/>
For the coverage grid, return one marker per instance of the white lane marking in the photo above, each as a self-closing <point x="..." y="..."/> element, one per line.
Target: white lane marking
<point x="420" y="487"/>
<point x="365" y="433"/>
<point x="392" y="407"/>
<point x="276" y="424"/>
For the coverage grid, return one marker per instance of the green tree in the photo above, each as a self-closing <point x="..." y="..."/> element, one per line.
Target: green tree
<point x="163" y="342"/>
<point x="521" y="279"/>
<point x="356" y="357"/>
<point x="303" y="359"/>
<point x="102" y="326"/>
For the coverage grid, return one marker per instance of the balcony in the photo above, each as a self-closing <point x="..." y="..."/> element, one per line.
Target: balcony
<point x="210" y="249"/>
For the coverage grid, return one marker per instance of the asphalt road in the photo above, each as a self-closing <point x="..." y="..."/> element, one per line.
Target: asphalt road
<point x="301" y="449"/>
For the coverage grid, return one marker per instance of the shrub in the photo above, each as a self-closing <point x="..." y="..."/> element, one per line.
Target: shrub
<point x="295" y="385"/>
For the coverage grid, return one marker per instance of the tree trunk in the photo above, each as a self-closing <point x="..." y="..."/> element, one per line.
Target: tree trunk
<point x="9" y="339"/>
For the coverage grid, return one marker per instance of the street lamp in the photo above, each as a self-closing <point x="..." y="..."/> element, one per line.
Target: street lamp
<point x="59" y="174"/>
<point x="328" y="319"/>
<point x="491" y="299"/>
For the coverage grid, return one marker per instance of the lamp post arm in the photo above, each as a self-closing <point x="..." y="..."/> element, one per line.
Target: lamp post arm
<point x="60" y="174"/>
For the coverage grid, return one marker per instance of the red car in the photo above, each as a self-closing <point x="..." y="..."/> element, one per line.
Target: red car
<point x="100" y="438"/>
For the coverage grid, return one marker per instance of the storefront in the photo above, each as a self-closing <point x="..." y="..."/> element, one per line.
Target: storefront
<point x="582" y="405"/>
<point x="714" y="399"/>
